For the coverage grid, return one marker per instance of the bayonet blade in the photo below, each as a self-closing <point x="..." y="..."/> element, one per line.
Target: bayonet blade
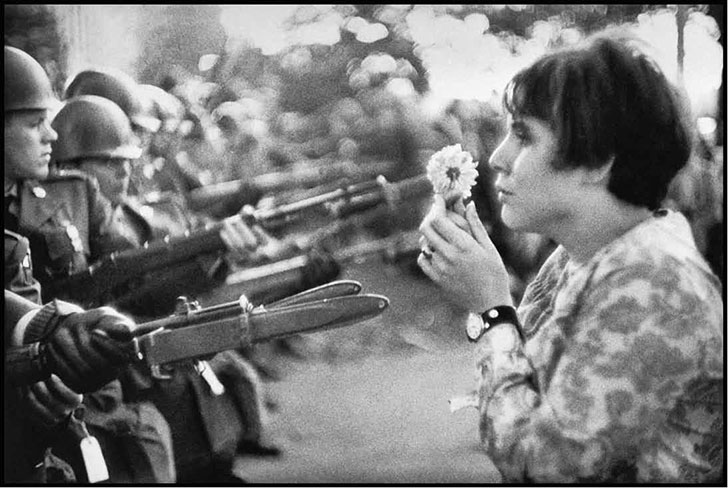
<point x="338" y="288"/>
<point x="234" y="329"/>
<point x="324" y="314"/>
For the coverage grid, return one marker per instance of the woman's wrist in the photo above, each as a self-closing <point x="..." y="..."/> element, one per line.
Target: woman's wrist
<point x="501" y="299"/>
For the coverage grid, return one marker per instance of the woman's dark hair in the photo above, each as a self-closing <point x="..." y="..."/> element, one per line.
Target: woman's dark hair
<point x="607" y="99"/>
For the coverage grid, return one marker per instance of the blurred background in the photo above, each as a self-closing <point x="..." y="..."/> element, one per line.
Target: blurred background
<point x="275" y="88"/>
<point x="373" y="81"/>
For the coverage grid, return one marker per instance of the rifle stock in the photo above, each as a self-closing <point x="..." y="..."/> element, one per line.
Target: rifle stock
<point x="91" y="286"/>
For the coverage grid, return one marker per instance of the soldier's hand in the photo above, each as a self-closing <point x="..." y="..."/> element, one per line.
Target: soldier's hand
<point x="87" y="349"/>
<point x="239" y="239"/>
<point x="51" y="401"/>
<point x="271" y="248"/>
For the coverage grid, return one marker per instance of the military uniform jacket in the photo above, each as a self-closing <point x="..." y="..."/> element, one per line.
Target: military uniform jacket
<point x="154" y="294"/>
<point x="67" y="221"/>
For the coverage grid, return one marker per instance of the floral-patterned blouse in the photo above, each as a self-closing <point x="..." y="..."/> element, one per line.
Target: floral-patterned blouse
<point x="620" y="378"/>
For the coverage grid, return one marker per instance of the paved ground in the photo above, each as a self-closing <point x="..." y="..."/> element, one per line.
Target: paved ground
<point x="369" y="403"/>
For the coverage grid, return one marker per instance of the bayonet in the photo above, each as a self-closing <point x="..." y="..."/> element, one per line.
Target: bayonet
<point x="195" y="332"/>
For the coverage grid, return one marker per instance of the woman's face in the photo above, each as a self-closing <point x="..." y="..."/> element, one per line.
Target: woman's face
<point x="534" y="196"/>
<point x="112" y="175"/>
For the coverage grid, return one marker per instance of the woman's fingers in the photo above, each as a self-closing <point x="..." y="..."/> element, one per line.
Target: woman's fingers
<point x="477" y="229"/>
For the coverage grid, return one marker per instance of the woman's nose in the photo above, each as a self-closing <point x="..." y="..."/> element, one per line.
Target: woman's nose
<point x="499" y="160"/>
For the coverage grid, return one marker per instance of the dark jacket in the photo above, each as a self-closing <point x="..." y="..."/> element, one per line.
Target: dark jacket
<point x="25" y="444"/>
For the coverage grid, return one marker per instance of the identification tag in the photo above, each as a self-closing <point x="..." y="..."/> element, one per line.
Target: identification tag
<point x="93" y="459"/>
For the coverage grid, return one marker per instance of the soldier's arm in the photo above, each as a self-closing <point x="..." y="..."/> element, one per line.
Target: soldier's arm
<point x="105" y="234"/>
<point x="85" y="349"/>
<point x="611" y="380"/>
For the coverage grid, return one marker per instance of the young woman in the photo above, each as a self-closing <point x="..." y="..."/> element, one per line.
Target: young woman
<point x="611" y="369"/>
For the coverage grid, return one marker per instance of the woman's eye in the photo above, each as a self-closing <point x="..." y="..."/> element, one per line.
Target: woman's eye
<point x="521" y="136"/>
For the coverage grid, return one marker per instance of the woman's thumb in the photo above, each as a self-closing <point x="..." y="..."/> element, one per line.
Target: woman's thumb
<point x="477" y="229"/>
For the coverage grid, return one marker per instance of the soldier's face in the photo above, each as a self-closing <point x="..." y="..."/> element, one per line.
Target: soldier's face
<point x="112" y="175"/>
<point x="28" y="138"/>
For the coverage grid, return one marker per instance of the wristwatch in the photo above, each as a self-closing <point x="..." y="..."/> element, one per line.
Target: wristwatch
<point x="502" y="314"/>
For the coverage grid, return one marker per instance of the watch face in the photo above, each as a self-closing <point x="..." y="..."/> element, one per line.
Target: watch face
<point x="474" y="327"/>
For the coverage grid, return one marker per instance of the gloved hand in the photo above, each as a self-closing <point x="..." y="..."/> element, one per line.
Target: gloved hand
<point x="51" y="401"/>
<point x="86" y="349"/>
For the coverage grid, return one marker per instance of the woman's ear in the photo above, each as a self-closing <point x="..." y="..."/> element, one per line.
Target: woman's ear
<point x="599" y="175"/>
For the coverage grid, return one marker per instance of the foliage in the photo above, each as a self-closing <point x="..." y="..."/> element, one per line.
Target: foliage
<point x="35" y="30"/>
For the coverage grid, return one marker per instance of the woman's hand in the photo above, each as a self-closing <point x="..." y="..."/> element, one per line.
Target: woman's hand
<point x="465" y="263"/>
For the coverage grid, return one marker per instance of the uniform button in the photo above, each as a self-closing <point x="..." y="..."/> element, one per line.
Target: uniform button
<point x="39" y="192"/>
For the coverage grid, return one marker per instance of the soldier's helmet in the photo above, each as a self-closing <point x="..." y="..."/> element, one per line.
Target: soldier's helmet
<point x="27" y="86"/>
<point x="167" y="107"/>
<point x="90" y="126"/>
<point x="118" y="87"/>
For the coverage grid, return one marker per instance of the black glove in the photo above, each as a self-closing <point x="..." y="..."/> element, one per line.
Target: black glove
<point x="86" y="349"/>
<point x="83" y="348"/>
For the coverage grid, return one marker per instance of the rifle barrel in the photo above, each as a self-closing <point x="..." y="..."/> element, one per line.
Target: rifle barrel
<point x="120" y="267"/>
<point x="248" y="190"/>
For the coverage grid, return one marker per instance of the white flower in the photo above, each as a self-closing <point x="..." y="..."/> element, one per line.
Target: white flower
<point x="452" y="172"/>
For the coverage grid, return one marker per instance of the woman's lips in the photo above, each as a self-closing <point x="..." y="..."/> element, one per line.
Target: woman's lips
<point x="503" y="193"/>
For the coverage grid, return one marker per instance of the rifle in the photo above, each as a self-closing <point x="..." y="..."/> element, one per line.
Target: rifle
<point x="273" y="279"/>
<point x="194" y="333"/>
<point x="247" y="191"/>
<point x="99" y="279"/>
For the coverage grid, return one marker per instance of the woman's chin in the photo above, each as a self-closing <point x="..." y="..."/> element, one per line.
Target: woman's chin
<point x="513" y="221"/>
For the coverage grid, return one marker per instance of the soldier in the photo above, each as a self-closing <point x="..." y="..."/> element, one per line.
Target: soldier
<point x="151" y="173"/>
<point x="42" y="405"/>
<point x="95" y="137"/>
<point x="65" y="219"/>
<point x="165" y="147"/>
<point x="121" y="89"/>
<point x="62" y="340"/>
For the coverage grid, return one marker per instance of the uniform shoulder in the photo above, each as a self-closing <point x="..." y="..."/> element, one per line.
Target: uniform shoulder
<point x="13" y="236"/>
<point x="16" y="246"/>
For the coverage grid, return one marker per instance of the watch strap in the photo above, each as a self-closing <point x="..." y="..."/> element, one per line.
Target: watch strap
<point x="502" y="314"/>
